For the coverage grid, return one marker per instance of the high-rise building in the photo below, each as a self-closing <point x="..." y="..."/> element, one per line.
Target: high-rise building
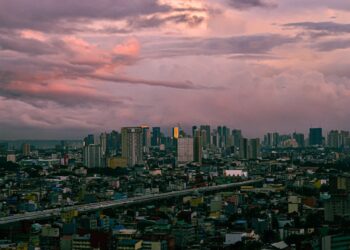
<point x="156" y="135"/>
<point x="132" y="145"/>
<point x="206" y="138"/>
<point x="176" y="132"/>
<point x="185" y="149"/>
<point x="243" y="148"/>
<point x="254" y="149"/>
<point x="26" y="149"/>
<point x="268" y="140"/>
<point x="214" y="138"/>
<point x="103" y="144"/>
<point x="226" y="136"/>
<point x="344" y="138"/>
<point x="194" y="129"/>
<point x="114" y="142"/>
<point x="197" y="147"/>
<point x="220" y="135"/>
<point x="92" y="156"/>
<point x="275" y="140"/>
<point x="315" y="136"/>
<point x="237" y="136"/>
<point x="299" y="138"/>
<point x="90" y="139"/>
<point x="146" y="138"/>
<point x="334" y="139"/>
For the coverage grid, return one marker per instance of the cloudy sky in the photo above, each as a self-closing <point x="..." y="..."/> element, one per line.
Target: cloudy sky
<point x="68" y="68"/>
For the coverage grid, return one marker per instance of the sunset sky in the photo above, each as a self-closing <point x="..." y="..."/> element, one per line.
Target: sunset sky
<point x="68" y="68"/>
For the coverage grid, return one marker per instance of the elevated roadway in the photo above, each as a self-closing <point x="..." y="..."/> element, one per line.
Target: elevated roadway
<point x="84" y="208"/>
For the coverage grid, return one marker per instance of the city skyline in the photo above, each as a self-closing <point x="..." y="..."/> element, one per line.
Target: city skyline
<point x="68" y="69"/>
<point x="188" y="130"/>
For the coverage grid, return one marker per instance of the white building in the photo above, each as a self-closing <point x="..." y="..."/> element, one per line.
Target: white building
<point x="132" y="148"/>
<point x="185" y="150"/>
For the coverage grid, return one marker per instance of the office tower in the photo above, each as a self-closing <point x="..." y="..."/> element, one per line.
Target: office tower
<point x="146" y="139"/>
<point x="203" y="134"/>
<point x="92" y="156"/>
<point x="333" y="139"/>
<point x="226" y="134"/>
<point x="344" y="138"/>
<point x="113" y="142"/>
<point x="254" y="149"/>
<point x="268" y="140"/>
<point x="243" y="148"/>
<point x="89" y="140"/>
<point x="299" y="138"/>
<point x="185" y="149"/>
<point x="194" y="129"/>
<point x="237" y="136"/>
<point x="315" y="136"/>
<point x="197" y="147"/>
<point x="275" y="140"/>
<point x="206" y="140"/>
<point x="132" y="145"/>
<point x="175" y="133"/>
<point x="156" y="135"/>
<point x="26" y="149"/>
<point x="214" y="138"/>
<point x="103" y="144"/>
<point x="220" y="136"/>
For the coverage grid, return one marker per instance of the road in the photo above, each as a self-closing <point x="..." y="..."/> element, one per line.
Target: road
<point x="45" y="214"/>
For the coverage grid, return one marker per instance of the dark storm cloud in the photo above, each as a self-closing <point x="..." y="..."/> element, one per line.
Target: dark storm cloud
<point x="48" y="14"/>
<point x="67" y="16"/>
<point x="247" y="4"/>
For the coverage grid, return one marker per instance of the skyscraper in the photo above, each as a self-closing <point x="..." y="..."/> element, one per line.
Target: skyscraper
<point x="237" y="135"/>
<point x="185" y="150"/>
<point x="214" y="138"/>
<point x="197" y="147"/>
<point x="275" y="140"/>
<point x="155" y="141"/>
<point x="315" y="136"/>
<point x="92" y="156"/>
<point x="132" y="145"/>
<point x="333" y="139"/>
<point x="146" y="138"/>
<point x="114" y="142"/>
<point x="344" y="138"/>
<point x="176" y="132"/>
<point x="89" y="140"/>
<point x="103" y="143"/>
<point x="243" y="148"/>
<point x="206" y="138"/>
<point x="268" y="140"/>
<point x="194" y="129"/>
<point x="254" y="148"/>
<point x="226" y="134"/>
<point x="299" y="138"/>
<point x="220" y="137"/>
